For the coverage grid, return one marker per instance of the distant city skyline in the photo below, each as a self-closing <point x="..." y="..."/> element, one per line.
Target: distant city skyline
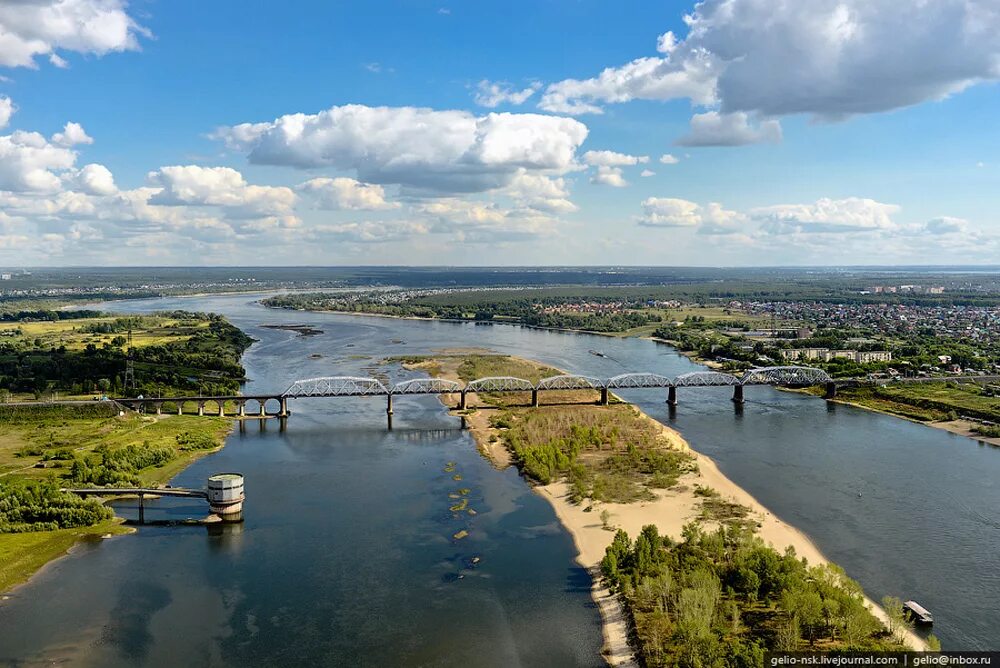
<point x="718" y="133"/>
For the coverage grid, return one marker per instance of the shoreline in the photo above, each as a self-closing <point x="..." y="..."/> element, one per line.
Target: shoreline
<point x="670" y="511"/>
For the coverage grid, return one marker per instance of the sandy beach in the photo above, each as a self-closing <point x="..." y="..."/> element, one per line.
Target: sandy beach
<point x="671" y="510"/>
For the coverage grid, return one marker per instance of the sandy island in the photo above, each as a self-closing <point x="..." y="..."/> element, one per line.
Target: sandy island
<point x="671" y="510"/>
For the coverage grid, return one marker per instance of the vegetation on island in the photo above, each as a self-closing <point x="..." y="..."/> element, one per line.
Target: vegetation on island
<point x="173" y="352"/>
<point x="723" y="598"/>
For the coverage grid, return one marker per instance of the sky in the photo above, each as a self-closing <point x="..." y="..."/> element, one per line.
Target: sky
<point x="523" y="132"/>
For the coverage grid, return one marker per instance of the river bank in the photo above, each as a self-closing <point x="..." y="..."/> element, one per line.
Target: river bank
<point x="592" y="524"/>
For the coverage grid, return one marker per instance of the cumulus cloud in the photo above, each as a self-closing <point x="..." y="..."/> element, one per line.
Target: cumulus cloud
<point x="668" y="159"/>
<point x="827" y="58"/>
<point x="494" y="93"/>
<point x="853" y="214"/>
<point x="671" y="212"/>
<point x="218" y="186"/>
<point x="442" y="151"/>
<point x="946" y="225"/>
<point x="609" y="176"/>
<point x="370" y="232"/>
<point x="96" y="179"/>
<point x="647" y="172"/>
<point x="715" y="129"/>
<point x="7" y="110"/>
<point x="72" y="134"/>
<point x="345" y="193"/>
<point x="540" y="192"/>
<point x="29" y="28"/>
<point x="613" y="159"/>
<point x="29" y="162"/>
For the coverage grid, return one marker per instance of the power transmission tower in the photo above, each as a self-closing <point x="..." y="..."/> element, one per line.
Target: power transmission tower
<point x="130" y="364"/>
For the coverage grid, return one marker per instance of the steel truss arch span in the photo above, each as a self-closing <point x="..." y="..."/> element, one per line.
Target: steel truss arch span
<point x="426" y="386"/>
<point x="336" y="386"/>
<point x="785" y="375"/>
<point x="570" y="382"/>
<point x="500" y="384"/>
<point x="705" y="379"/>
<point x="638" y="380"/>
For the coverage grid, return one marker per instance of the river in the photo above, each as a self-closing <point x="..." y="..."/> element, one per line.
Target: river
<point x="347" y="555"/>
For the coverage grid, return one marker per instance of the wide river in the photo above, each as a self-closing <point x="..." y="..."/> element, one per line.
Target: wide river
<point x="347" y="555"/>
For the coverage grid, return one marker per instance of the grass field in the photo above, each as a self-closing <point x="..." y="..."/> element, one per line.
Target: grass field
<point x="927" y="402"/>
<point x="154" y="330"/>
<point x="21" y="554"/>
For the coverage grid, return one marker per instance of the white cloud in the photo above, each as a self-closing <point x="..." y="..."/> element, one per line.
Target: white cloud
<point x="647" y="172"/>
<point x="219" y="186"/>
<point x="345" y="193"/>
<point x="715" y="129"/>
<point x="58" y="61"/>
<point x="29" y="162"/>
<point x="494" y="93"/>
<point x="671" y="212"/>
<point x="613" y="159"/>
<point x="946" y="225"/>
<point x="29" y="28"/>
<point x="827" y="58"/>
<point x="853" y="214"/>
<point x="539" y="192"/>
<point x="72" y="134"/>
<point x="424" y="149"/>
<point x="96" y="179"/>
<point x="668" y="159"/>
<point x="644" y="79"/>
<point x="370" y="232"/>
<point x="7" y="110"/>
<point x="609" y="176"/>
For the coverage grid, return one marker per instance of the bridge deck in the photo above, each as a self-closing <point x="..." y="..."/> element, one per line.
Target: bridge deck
<point x="138" y="491"/>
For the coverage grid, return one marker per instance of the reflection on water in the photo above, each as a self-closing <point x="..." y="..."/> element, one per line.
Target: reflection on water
<point x="348" y="556"/>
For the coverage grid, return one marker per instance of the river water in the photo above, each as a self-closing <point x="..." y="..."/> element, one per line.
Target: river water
<point x="347" y="555"/>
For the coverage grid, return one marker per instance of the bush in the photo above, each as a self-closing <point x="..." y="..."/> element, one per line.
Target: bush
<point x="40" y="506"/>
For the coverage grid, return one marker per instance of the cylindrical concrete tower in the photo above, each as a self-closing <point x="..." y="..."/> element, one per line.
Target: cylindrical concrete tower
<point x="225" y="496"/>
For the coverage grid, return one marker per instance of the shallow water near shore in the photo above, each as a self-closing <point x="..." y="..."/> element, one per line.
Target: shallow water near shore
<point x="347" y="557"/>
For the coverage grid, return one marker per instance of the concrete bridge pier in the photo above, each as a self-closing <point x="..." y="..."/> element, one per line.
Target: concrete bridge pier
<point x="261" y="413"/>
<point x="241" y="408"/>
<point x="388" y="405"/>
<point x="534" y="398"/>
<point x="283" y="411"/>
<point x="180" y="408"/>
<point x="222" y="409"/>
<point x="738" y="394"/>
<point x="672" y="396"/>
<point x="462" y="404"/>
<point x="142" y="509"/>
<point x="604" y="396"/>
<point x="159" y="409"/>
<point x="831" y="391"/>
<point x="201" y="408"/>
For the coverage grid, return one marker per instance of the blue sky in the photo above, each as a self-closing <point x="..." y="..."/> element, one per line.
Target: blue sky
<point x="829" y="132"/>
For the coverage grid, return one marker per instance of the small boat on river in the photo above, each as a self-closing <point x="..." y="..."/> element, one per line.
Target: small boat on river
<point x="598" y="353"/>
<point x="918" y="614"/>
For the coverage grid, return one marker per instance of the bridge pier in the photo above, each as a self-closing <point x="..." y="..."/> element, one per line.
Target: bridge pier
<point x="159" y="409"/>
<point x="222" y="409"/>
<point x="201" y="408"/>
<point x="534" y="398"/>
<point x="241" y="408"/>
<point x="738" y="394"/>
<point x="180" y="408"/>
<point x="142" y="509"/>
<point x="604" y="396"/>
<point x="831" y="391"/>
<point x="388" y="407"/>
<point x="262" y="413"/>
<point x="462" y="403"/>
<point x="672" y="396"/>
<point x="283" y="412"/>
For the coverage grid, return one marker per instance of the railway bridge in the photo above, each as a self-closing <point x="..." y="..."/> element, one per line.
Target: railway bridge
<point x="276" y="405"/>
